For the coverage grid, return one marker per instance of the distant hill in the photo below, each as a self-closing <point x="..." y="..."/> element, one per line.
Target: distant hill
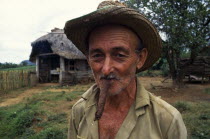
<point x="27" y="63"/>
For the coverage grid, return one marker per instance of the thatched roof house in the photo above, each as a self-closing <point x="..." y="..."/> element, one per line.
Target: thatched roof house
<point x="57" y="59"/>
<point x="55" y="42"/>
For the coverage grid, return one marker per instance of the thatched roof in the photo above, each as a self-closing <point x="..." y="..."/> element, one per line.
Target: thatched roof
<point x="55" y="42"/>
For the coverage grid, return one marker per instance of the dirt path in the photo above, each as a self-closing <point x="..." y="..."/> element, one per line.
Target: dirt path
<point x="191" y="92"/>
<point x="11" y="99"/>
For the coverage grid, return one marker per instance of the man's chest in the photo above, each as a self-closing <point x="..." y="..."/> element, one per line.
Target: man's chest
<point x="109" y="124"/>
<point x="132" y="127"/>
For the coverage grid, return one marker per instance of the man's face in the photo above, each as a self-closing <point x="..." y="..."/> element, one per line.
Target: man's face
<point x="113" y="58"/>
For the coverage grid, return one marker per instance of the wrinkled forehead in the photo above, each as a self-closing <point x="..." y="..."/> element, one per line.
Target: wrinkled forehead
<point x="118" y="30"/>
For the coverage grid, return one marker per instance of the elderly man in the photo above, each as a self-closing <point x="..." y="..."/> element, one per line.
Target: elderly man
<point x="119" y="42"/>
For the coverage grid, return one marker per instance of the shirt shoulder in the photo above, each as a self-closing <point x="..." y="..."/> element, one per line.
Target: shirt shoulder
<point x="79" y="107"/>
<point x="163" y="106"/>
<point x="168" y="118"/>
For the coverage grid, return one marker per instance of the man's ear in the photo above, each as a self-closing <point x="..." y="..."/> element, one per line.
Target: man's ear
<point x="142" y="56"/>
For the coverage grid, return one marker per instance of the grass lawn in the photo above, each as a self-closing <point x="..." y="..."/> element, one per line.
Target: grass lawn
<point x="196" y="116"/>
<point x="45" y="115"/>
<point x="42" y="116"/>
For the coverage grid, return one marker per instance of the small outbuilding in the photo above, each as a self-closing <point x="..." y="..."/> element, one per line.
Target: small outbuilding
<point x="58" y="60"/>
<point x="199" y="67"/>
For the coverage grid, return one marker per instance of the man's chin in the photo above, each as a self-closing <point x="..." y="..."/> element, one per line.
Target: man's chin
<point x="113" y="88"/>
<point x="111" y="81"/>
<point x="114" y="92"/>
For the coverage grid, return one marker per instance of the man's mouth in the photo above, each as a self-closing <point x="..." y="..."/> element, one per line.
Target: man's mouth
<point x="109" y="77"/>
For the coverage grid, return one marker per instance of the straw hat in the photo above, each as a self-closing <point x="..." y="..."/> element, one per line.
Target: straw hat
<point x="110" y="12"/>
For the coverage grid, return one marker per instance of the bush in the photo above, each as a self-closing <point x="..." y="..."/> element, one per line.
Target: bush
<point x="69" y="99"/>
<point x="16" y="121"/>
<point x="58" y="117"/>
<point x="182" y="106"/>
<point x="51" y="133"/>
<point x="23" y="121"/>
<point x="161" y="65"/>
<point x="207" y="90"/>
<point x="197" y="119"/>
<point x="165" y="69"/>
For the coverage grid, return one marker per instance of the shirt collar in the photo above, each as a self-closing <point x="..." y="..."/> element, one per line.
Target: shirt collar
<point x="142" y="96"/>
<point x="89" y="95"/>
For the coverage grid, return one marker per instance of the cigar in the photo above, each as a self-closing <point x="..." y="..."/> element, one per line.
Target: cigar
<point x="102" y="100"/>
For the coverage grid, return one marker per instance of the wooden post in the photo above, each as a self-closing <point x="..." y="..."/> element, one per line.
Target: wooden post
<point x="202" y="79"/>
<point x="189" y="79"/>
<point x="49" y="63"/>
<point x="37" y="67"/>
<point x="62" y="69"/>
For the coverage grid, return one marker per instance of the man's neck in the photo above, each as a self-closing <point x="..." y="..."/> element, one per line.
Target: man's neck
<point x="115" y="111"/>
<point x="122" y="100"/>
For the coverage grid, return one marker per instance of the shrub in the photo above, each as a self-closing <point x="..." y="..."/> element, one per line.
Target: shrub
<point x="207" y="90"/>
<point x="16" y="121"/>
<point x="23" y="121"/>
<point x="68" y="98"/>
<point x="52" y="133"/>
<point x="58" y="117"/>
<point x="197" y="120"/>
<point x="165" y="68"/>
<point x="182" y="106"/>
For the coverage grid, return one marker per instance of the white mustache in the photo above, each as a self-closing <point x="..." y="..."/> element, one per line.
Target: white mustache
<point x="109" y="77"/>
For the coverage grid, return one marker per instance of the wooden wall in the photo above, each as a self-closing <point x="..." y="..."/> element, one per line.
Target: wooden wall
<point x="76" y="71"/>
<point x="72" y="71"/>
<point x="46" y="64"/>
<point x="199" y="67"/>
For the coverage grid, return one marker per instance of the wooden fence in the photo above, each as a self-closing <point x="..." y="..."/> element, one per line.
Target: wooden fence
<point x="13" y="79"/>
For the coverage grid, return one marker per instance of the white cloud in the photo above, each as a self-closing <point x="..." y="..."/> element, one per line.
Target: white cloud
<point x="23" y="21"/>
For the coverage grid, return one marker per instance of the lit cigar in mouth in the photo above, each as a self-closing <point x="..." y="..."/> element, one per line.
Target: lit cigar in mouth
<point x="102" y="95"/>
<point x="102" y="99"/>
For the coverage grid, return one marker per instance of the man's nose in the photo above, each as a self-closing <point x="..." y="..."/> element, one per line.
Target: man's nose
<point x="107" y="66"/>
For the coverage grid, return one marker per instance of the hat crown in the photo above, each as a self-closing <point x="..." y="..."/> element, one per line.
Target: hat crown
<point x="110" y="3"/>
<point x="114" y="12"/>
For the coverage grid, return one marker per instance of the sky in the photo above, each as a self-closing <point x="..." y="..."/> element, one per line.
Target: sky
<point x="24" y="21"/>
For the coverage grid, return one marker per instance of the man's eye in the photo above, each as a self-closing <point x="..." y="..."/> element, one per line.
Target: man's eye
<point x="97" y="55"/>
<point x="120" y="55"/>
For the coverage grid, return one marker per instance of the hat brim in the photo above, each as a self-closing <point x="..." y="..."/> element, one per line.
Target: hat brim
<point x="77" y="30"/>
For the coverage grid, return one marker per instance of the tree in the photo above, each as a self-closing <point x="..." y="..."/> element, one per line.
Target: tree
<point x="185" y="23"/>
<point x="7" y="65"/>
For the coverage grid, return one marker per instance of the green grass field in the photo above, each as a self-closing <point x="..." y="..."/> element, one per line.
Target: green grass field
<point x="42" y="116"/>
<point x="196" y="117"/>
<point x="45" y="115"/>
